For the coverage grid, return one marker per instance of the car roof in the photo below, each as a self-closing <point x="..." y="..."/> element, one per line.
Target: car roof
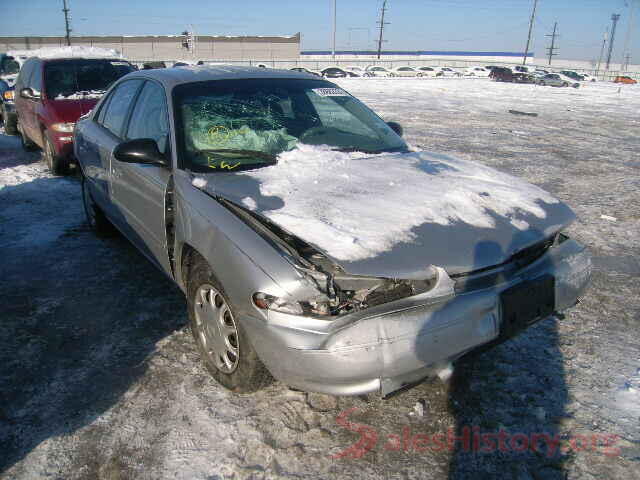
<point x="170" y="77"/>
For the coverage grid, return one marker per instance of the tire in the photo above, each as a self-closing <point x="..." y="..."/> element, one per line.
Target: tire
<point x="10" y="123"/>
<point x="565" y="84"/>
<point x="97" y="220"/>
<point x="238" y="368"/>
<point x="57" y="165"/>
<point x="25" y="141"/>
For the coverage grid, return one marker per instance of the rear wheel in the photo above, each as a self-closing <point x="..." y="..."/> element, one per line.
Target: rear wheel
<point x="25" y="141"/>
<point x="57" y="165"/>
<point x="223" y="344"/>
<point x="96" y="218"/>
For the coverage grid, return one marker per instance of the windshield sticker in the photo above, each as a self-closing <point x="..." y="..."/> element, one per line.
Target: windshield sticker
<point x="330" y="92"/>
<point x="215" y="163"/>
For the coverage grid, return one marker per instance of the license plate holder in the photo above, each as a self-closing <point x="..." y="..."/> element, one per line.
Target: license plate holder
<point x="526" y="303"/>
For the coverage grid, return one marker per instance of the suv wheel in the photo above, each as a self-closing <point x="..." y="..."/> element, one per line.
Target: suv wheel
<point x="57" y="165"/>
<point x="224" y="346"/>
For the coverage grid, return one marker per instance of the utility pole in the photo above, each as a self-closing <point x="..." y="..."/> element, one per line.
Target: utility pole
<point x="614" y="18"/>
<point x="625" y="52"/>
<point x="67" y="29"/>
<point x="552" y="48"/>
<point x="604" y="44"/>
<point x="333" y="48"/>
<point x="533" y="17"/>
<point x="382" y="24"/>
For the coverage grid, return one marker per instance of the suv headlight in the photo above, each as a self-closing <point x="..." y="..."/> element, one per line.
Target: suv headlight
<point x="63" y="127"/>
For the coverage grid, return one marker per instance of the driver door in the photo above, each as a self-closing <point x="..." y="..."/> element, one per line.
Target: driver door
<point x="141" y="188"/>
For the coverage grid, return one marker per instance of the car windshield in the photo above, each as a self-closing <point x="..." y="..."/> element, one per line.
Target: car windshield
<point x="73" y="79"/>
<point x="236" y="125"/>
<point x="10" y="66"/>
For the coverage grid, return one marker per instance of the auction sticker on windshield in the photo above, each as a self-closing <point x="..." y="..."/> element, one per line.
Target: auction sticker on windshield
<point x="330" y="92"/>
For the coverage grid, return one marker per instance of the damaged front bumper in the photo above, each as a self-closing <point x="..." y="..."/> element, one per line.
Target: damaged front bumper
<point x="387" y="347"/>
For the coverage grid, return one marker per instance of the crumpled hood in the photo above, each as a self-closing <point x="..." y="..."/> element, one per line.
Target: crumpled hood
<point x="394" y="215"/>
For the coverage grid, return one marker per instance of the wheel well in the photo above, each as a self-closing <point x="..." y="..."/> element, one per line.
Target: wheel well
<point x="188" y="256"/>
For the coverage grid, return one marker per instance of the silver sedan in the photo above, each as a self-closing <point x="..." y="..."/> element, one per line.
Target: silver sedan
<point x="312" y="244"/>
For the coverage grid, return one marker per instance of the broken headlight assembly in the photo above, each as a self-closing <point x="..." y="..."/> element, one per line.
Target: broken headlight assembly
<point x="339" y="299"/>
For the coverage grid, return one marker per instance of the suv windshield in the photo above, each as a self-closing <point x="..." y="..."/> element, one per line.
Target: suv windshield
<point x="242" y="124"/>
<point x="74" y="79"/>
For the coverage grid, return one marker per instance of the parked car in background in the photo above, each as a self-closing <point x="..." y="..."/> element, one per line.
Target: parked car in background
<point x="377" y="71"/>
<point x="8" y="117"/>
<point x="589" y="78"/>
<point x="306" y="70"/>
<point x="333" y="72"/>
<point x="521" y="77"/>
<point x="448" y="72"/>
<point x="501" y="74"/>
<point x="52" y="93"/>
<point x="524" y="68"/>
<point x="153" y="65"/>
<point x="624" y="79"/>
<point x="357" y="71"/>
<point x="403" y="71"/>
<point x="428" y="72"/>
<point x="572" y="75"/>
<point x="477" y="72"/>
<point x="270" y="255"/>
<point x="556" y="80"/>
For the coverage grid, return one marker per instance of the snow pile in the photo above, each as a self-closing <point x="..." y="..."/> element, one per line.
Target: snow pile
<point x="199" y="182"/>
<point x="68" y="52"/>
<point x="356" y="208"/>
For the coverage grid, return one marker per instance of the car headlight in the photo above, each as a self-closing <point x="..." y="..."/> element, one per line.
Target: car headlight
<point x="63" y="127"/>
<point x="9" y="95"/>
<point x="264" y="301"/>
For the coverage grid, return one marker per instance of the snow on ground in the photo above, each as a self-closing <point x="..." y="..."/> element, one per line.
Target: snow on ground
<point x="99" y="378"/>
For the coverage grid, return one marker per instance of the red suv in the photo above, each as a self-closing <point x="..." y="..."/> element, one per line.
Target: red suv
<point x="52" y="93"/>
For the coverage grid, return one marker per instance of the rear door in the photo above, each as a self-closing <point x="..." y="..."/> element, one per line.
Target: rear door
<point x="140" y="189"/>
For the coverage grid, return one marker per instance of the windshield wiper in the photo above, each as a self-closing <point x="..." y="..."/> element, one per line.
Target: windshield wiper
<point x="371" y="152"/>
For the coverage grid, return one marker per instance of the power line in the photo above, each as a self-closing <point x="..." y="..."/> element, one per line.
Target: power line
<point x="67" y="28"/>
<point x="614" y="19"/>
<point x="382" y="24"/>
<point x="333" y="45"/>
<point x="533" y="17"/>
<point x="551" y="50"/>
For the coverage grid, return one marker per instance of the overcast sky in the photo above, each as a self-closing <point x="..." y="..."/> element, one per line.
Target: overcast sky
<point x="476" y="25"/>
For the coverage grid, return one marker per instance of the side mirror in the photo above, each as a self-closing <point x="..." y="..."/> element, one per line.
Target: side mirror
<point x="396" y="127"/>
<point x="140" y="150"/>
<point x="29" y="94"/>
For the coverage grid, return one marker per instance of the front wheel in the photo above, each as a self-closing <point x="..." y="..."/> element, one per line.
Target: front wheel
<point x="565" y="84"/>
<point x="223" y="344"/>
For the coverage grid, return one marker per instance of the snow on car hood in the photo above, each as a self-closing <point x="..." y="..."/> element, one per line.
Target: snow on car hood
<point x="396" y="214"/>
